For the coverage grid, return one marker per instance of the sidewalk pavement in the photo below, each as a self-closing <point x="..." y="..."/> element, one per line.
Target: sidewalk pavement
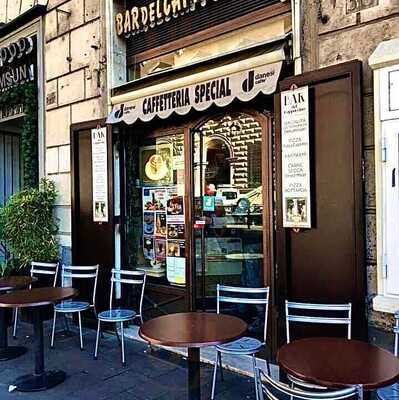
<point x="156" y="375"/>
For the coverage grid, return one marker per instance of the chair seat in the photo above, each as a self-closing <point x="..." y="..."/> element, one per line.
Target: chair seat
<point x="116" y="315"/>
<point x="72" y="306"/>
<point x="244" y="345"/>
<point x="389" y="392"/>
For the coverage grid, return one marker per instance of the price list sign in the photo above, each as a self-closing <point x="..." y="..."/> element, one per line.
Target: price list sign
<point x="295" y="158"/>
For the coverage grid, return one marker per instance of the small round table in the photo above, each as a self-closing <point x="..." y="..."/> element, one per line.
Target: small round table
<point x="7" y="285"/>
<point x="193" y="330"/>
<point x="338" y="363"/>
<point x="36" y="298"/>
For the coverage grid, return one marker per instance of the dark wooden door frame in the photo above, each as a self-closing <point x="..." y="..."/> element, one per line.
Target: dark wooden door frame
<point x="266" y="121"/>
<point x="351" y="70"/>
<point x="75" y="130"/>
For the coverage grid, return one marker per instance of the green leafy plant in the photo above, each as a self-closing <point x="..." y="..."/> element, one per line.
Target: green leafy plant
<point x="28" y="227"/>
<point x="26" y="94"/>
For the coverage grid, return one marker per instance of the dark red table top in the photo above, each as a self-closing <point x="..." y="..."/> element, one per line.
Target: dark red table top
<point x="339" y="363"/>
<point x="193" y="329"/>
<point x="36" y="297"/>
<point x="15" y="282"/>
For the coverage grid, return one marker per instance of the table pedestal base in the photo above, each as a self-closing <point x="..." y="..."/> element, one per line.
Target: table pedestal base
<point x="194" y="379"/>
<point x="11" y="352"/>
<point x="35" y="383"/>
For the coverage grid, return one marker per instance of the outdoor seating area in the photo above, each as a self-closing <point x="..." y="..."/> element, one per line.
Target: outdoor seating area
<point x="309" y="368"/>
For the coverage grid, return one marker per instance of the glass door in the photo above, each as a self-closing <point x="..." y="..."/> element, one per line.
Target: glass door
<point x="228" y="206"/>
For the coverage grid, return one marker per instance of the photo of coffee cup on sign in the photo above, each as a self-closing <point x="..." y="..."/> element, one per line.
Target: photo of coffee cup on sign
<point x="156" y="165"/>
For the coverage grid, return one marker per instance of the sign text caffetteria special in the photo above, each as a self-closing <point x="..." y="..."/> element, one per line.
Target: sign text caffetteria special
<point x="140" y="19"/>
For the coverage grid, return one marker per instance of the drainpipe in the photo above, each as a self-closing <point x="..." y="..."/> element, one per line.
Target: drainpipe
<point x="296" y="35"/>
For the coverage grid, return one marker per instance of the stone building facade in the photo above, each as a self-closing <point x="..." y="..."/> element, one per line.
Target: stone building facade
<point x="74" y="58"/>
<point x="74" y="66"/>
<point x="334" y="32"/>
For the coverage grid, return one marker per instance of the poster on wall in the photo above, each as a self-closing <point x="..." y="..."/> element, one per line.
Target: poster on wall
<point x="296" y="191"/>
<point x="100" y="174"/>
<point x="176" y="262"/>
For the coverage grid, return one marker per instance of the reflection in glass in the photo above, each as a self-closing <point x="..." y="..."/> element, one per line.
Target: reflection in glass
<point x="228" y="207"/>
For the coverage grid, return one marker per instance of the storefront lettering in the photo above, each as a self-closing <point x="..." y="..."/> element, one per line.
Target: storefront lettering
<point x="212" y="90"/>
<point x="16" y="50"/>
<point x="203" y="92"/>
<point x="13" y="76"/>
<point x="139" y="19"/>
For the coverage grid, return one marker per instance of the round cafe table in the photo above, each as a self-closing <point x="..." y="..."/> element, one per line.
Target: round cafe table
<point x="338" y="363"/>
<point x="35" y="299"/>
<point x="7" y="285"/>
<point x="193" y="330"/>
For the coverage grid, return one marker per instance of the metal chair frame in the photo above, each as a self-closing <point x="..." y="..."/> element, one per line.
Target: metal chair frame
<point x="225" y="295"/>
<point x="37" y="268"/>
<point x="284" y="390"/>
<point x="393" y="390"/>
<point x="122" y="277"/>
<point x="297" y="318"/>
<point x="77" y="272"/>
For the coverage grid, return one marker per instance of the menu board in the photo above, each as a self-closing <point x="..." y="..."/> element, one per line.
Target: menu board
<point x="164" y="231"/>
<point x="295" y="158"/>
<point x="100" y="174"/>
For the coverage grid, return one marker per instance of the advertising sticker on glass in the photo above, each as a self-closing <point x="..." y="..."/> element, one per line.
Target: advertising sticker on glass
<point x="156" y="165"/>
<point x="296" y="191"/>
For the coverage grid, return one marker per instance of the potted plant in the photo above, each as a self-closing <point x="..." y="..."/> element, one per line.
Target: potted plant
<point x="28" y="227"/>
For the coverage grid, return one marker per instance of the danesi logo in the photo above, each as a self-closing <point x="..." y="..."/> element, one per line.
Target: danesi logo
<point x="249" y="83"/>
<point x="119" y="113"/>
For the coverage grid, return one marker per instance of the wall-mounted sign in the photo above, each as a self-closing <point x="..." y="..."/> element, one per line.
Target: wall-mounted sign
<point x="100" y="174"/>
<point x="17" y="63"/>
<point x="140" y="19"/>
<point x="10" y="112"/>
<point x="244" y="85"/>
<point x="295" y="158"/>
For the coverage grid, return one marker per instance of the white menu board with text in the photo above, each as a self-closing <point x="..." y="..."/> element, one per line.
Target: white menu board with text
<point x="100" y="174"/>
<point x="296" y="191"/>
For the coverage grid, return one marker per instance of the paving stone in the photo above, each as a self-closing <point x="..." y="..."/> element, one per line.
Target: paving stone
<point x="158" y="375"/>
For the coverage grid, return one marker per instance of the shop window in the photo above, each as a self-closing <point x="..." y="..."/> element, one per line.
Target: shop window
<point x="156" y="218"/>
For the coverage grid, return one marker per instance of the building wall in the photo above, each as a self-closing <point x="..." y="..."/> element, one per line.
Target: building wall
<point x="341" y="30"/>
<point x="75" y="85"/>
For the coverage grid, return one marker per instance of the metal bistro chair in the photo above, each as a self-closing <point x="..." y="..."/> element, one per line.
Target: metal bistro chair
<point x="274" y="390"/>
<point x="37" y="269"/>
<point x="245" y="345"/>
<point x="392" y="392"/>
<point x="119" y="315"/>
<point x="76" y="306"/>
<point x="300" y="318"/>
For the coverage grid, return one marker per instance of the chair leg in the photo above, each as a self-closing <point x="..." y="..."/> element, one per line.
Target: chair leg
<point x="53" y="330"/>
<point x="97" y="340"/>
<point x="123" y="345"/>
<point x="255" y="377"/>
<point x="14" y="332"/>
<point x="215" y="372"/>
<point x="221" y="366"/>
<point x="80" y="331"/>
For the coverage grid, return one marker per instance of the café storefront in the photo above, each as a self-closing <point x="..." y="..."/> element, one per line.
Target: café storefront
<point x="193" y="164"/>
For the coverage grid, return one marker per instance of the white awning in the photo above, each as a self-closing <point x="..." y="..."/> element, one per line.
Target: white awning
<point x="242" y="80"/>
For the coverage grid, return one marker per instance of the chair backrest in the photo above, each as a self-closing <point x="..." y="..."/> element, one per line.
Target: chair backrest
<point x="89" y="272"/>
<point x="275" y="390"/>
<point x="244" y="295"/>
<point x="396" y="332"/>
<point x="296" y="316"/>
<point x="41" y="268"/>
<point x="130" y="278"/>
